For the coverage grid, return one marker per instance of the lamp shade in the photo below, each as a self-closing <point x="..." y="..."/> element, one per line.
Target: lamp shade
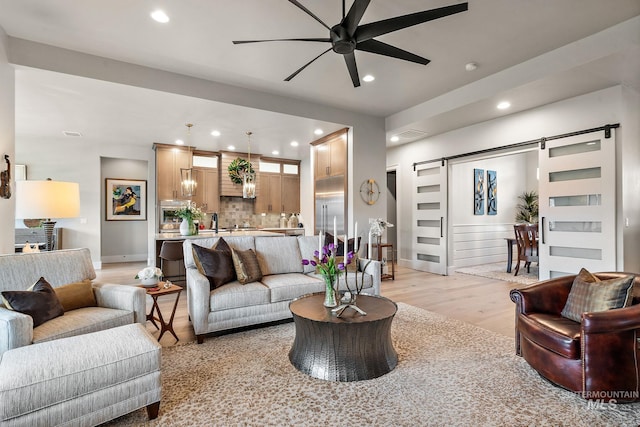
<point x="47" y="199"/>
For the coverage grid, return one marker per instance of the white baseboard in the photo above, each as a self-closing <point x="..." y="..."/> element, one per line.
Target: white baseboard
<point x="124" y="258"/>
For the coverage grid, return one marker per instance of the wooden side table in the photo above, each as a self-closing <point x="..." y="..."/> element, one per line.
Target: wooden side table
<point x="379" y="247"/>
<point x="155" y="293"/>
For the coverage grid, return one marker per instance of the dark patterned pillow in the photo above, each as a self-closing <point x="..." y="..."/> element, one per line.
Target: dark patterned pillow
<point x="247" y="266"/>
<point x="589" y="294"/>
<point x="216" y="264"/>
<point x="328" y="238"/>
<point x="40" y="302"/>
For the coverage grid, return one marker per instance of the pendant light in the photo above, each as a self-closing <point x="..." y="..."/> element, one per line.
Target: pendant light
<point x="189" y="176"/>
<point x="249" y="176"/>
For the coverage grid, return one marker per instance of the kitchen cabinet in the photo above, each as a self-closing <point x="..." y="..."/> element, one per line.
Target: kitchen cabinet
<point x="207" y="195"/>
<point x="169" y="161"/>
<point x="330" y="181"/>
<point x="278" y="187"/>
<point x="269" y="193"/>
<point x="290" y="193"/>
<point x="331" y="155"/>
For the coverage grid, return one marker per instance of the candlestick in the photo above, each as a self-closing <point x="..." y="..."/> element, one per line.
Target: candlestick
<point x="355" y="239"/>
<point x="335" y="234"/>
<point x="369" y="252"/>
<point x="346" y="246"/>
<point x="320" y="238"/>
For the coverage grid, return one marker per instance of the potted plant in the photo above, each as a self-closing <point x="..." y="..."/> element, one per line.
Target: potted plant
<point x="188" y="213"/>
<point x="527" y="209"/>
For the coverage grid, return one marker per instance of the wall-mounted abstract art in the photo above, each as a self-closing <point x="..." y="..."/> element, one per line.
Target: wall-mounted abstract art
<point x="478" y="191"/>
<point x="492" y="192"/>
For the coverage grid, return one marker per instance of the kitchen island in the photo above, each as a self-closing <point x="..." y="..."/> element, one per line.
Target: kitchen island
<point x="176" y="268"/>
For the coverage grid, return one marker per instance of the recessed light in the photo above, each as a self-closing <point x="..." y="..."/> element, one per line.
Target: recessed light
<point x="318" y="131"/>
<point x="368" y="78"/>
<point x="160" y="16"/>
<point x="215" y="133"/>
<point x="294" y="143"/>
<point x="71" y="133"/>
<point x="231" y="147"/>
<point x="275" y="152"/>
<point x="394" y="138"/>
<point x="179" y="142"/>
<point x="503" y="105"/>
<point x="471" y="66"/>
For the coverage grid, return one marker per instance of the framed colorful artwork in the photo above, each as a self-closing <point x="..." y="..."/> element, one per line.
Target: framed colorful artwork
<point x="478" y="191"/>
<point x="126" y="199"/>
<point x="492" y="192"/>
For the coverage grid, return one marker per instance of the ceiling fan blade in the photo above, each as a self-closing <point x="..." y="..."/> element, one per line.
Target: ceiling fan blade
<point x="374" y="29"/>
<point x="375" y="46"/>
<point x="305" y="66"/>
<point x="325" y="39"/>
<point x="351" y="21"/>
<point x="308" y="12"/>
<point x="350" y="60"/>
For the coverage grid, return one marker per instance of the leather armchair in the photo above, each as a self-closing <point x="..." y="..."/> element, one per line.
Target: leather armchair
<point x="598" y="358"/>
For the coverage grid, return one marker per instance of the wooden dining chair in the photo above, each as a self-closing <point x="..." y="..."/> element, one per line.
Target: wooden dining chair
<point x="527" y="242"/>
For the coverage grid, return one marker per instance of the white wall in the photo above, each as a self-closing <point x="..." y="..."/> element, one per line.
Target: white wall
<point x="630" y="180"/>
<point x="7" y="132"/>
<point x="582" y="112"/>
<point x="124" y="241"/>
<point x="69" y="159"/>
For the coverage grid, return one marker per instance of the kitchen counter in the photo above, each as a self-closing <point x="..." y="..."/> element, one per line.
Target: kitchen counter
<point x="205" y="234"/>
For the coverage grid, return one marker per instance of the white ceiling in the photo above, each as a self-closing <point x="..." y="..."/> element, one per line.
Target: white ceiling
<point x="496" y="34"/>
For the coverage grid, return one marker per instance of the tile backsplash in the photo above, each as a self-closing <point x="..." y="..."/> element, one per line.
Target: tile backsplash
<point x="236" y="210"/>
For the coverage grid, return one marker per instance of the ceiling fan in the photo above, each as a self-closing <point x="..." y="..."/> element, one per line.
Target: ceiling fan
<point x="348" y="36"/>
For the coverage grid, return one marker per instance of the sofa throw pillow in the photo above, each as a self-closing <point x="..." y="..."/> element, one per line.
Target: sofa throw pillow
<point x="328" y="238"/>
<point x="215" y="264"/>
<point x="40" y="302"/>
<point x="246" y="266"/>
<point x="76" y="295"/>
<point x="589" y="294"/>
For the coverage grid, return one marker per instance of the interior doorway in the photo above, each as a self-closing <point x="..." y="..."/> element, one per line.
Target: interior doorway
<point x="392" y="207"/>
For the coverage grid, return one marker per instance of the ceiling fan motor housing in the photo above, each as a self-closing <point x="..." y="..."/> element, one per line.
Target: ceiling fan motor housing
<point x="342" y="42"/>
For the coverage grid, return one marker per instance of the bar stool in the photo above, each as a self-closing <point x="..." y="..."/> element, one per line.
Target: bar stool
<point x="171" y="250"/>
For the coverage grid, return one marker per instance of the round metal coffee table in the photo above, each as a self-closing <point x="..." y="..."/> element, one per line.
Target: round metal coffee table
<point x="347" y="348"/>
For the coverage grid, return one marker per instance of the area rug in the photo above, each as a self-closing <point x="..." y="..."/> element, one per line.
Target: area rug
<point x="498" y="271"/>
<point x="449" y="373"/>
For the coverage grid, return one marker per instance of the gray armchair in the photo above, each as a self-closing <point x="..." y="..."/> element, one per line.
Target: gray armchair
<point x="117" y="305"/>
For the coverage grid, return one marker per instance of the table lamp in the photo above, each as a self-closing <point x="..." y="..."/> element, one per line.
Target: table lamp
<point x="48" y="200"/>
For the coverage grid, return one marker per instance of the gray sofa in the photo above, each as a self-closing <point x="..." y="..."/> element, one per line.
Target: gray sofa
<point x="235" y="305"/>
<point x="117" y="305"/>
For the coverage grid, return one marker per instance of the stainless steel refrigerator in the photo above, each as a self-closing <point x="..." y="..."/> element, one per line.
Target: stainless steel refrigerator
<point x="330" y="203"/>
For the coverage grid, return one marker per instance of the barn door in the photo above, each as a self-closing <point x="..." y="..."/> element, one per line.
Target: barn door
<point x="429" y="218"/>
<point x="577" y="205"/>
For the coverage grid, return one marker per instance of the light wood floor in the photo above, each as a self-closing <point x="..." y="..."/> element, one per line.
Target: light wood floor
<point x="477" y="300"/>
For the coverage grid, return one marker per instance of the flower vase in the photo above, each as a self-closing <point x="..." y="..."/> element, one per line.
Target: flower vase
<point x="330" y="292"/>
<point x="187" y="227"/>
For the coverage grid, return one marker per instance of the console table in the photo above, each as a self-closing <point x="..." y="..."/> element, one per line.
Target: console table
<point x="379" y="247"/>
<point x="36" y="236"/>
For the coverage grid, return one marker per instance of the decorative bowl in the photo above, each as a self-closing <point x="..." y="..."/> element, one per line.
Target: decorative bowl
<point x="149" y="283"/>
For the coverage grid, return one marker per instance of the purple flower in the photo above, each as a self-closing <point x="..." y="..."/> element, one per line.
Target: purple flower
<point x="312" y="262"/>
<point x="330" y="247"/>
<point x="316" y="254"/>
<point x="305" y="262"/>
<point x="340" y="266"/>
